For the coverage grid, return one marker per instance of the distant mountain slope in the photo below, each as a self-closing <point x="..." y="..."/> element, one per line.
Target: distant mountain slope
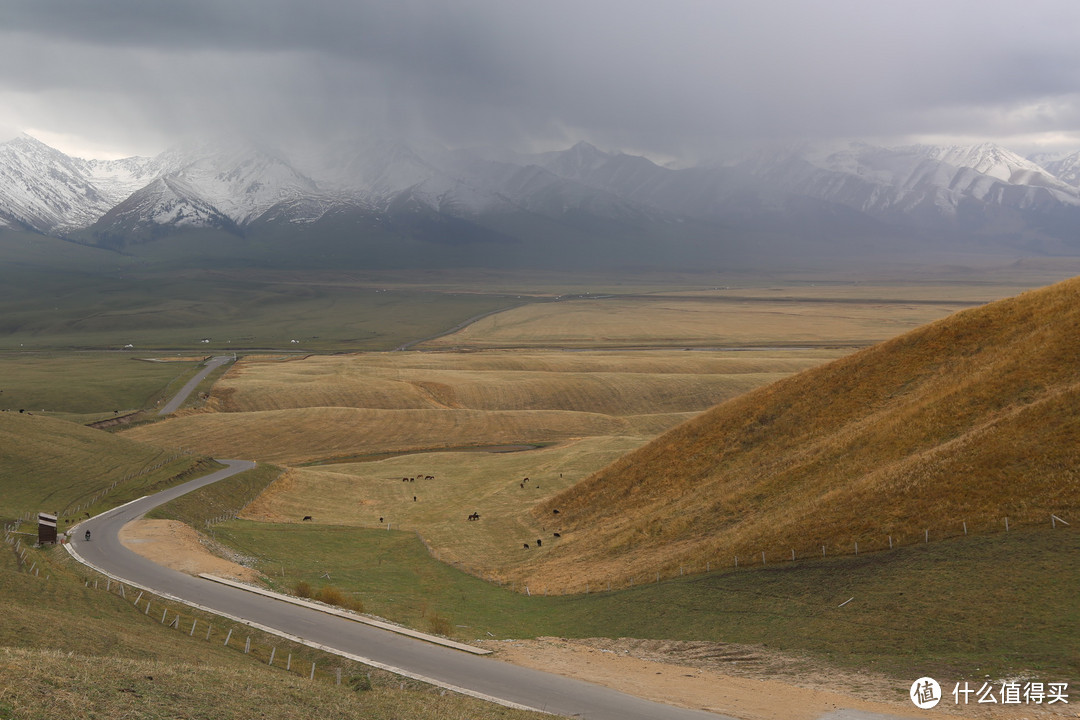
<point x="803" y="202"/>
<point x="969" y="419"/>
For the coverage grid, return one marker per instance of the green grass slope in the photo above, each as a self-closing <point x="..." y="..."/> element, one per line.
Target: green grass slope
<point x="971" y="419"/>
<point x="51" y="465"/>
<point x="69" y="647"/>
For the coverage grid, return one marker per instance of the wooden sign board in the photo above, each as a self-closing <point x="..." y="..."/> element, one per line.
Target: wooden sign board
<point x="46" y="528"/>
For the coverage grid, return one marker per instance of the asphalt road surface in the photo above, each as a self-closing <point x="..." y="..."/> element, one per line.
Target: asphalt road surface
<point x="473" y="675"/>
<point x="189" y="387"/>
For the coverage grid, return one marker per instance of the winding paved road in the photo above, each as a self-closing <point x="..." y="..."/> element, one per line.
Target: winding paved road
<point x="211" y="365"/>
<point x="468" y="674"/>
<point x="478" y="676"/>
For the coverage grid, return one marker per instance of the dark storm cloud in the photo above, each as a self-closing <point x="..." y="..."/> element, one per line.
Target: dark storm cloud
<point x="681" y="78"/>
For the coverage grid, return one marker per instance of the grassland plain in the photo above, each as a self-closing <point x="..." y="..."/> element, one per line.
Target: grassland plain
<point x="644" y="321"/>
<point x="87" y="386"/>
<point x="372" y="494"/>
<point x="968" y="420"/>
<point x="1044" y="564"/>
<point x="237" y="309"/>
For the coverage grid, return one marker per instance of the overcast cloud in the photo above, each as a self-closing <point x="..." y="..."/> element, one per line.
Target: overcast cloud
<point x="681" y="79"/>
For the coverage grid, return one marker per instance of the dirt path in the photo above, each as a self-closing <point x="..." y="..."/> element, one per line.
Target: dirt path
<point x="175" y="545"/>
<point x="746" y="682"/>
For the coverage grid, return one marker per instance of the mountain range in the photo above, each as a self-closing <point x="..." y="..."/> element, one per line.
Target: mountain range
<point x="572" y="206"/>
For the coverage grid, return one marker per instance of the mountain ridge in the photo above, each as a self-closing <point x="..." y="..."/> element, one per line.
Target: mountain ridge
<point x="1004" y="201"/>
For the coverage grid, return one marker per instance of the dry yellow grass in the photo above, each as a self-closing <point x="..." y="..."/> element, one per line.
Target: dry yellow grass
<point x="617" y="383"/>
<point x="291" y="437"/>
<point x="490" y="484"/>
<point x="969" y="419"/>
<point x="670" y="321"/>
<point x="318" y="408"/>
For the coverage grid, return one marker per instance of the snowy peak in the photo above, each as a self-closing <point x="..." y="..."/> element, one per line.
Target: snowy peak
<point x="242" y="182"/>
<point x="44" y="189"/>
<point x="246" y="188"/>
<point x="924" y="182"/>
<point x="986" y="159"/>
<point x="1065" y="168"/>
<point x="577" y="162"/>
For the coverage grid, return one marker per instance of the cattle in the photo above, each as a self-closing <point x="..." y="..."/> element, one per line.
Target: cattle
<point x="429" y="477"/>
<point x="414" y="498"/>
<point x="556" y="534"/>
<point x="307" y="517"/>
<point x="525" y="545"/>
<point x="474" y="516"/>
<point x="539" y="542"/>
<point x="380" y="520"/>
<point x="404" y="479"/>
<point x="555" y="511"/>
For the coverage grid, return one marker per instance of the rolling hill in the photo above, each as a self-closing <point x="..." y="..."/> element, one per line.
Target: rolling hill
<point x="947" y="429"/>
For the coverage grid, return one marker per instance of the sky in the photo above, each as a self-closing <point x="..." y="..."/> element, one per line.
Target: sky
<point x="681" y="81"/>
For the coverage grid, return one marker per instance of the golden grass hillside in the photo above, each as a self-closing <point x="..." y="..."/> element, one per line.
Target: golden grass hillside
<point x="342" y="407"/>
<point x="972" y="418"/>
<point x="616" y="383"/>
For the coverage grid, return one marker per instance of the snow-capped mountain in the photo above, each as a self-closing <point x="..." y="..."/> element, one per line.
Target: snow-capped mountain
<point x="919" y="184"/>
<point x="43" y="189"/>
<point x="840" y="189"/>
<point x="1064" y="167"/>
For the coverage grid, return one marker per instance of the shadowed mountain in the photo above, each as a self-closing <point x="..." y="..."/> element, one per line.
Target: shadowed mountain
<point x="406" y="207"/>
<point x="970" y="419"/>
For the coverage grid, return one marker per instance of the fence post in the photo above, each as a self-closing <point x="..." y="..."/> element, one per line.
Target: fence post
<point x="965" y="527"/>
<point x="208" y="632"/>
<point x="822" y="551"/>
<point x="273" y="651"/>
<point x="312" y="676"/>
<point x="338" y="676"/>
<point x="926" y="535"/>
<point x="762" y="558"/>
<point x="1006" y="524"/>
<point x="288" y="663"/>
<point x="193" y="623"/>
<point x="227" y="637"/>
<point x="856" y="547"/>
<point x="247" y="645"/>
<point x="163" y="614"/>
<point x="890" y="542"/>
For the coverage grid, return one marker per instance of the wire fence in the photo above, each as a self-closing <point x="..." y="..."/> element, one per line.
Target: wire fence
<point x="746" y="558"/>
